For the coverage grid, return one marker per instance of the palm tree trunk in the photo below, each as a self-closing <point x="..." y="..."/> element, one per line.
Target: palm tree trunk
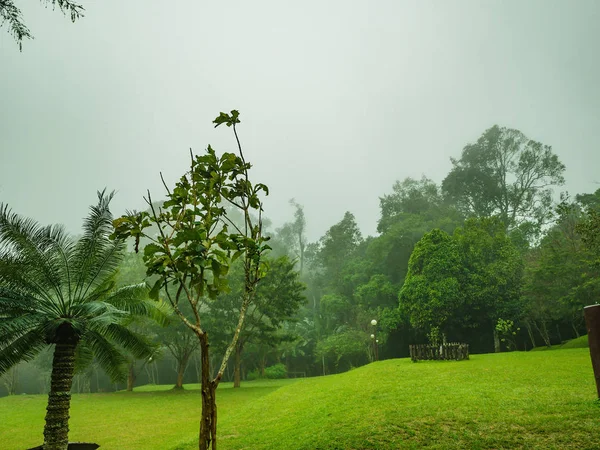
<point x="56" y="430"/>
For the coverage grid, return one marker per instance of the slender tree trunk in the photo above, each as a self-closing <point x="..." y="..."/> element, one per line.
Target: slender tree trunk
<point x="208" y="422"/>
<point x="56" y="430"/>
<point x="575" y="329"/>
<point x="237" y="365"/>
<point x="131" y="376"/>
<point x="530" y="333"/>
<point x="496" y="341"/>
<point x="543" y="330"/>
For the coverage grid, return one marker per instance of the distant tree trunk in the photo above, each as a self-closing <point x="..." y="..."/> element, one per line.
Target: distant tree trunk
<point x="496" y="341"/>
<point x="263" y="364"/>
<point x="530" y="333"/>
<point x="208" y="422"/>
<point x="543" y="330"/>
<point x="181" y="367"/>
<point x="56" y="430"/>
<point x="575" y="329"/>
<point x="11" y="380"/>
<point x="131" y="376"/>
<point x="237" y="365"/>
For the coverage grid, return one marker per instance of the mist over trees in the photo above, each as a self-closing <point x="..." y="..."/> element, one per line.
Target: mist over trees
<point x="489" y="244"/>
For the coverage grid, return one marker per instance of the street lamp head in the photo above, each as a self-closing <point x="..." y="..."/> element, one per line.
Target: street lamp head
<point x="373" y="322"/>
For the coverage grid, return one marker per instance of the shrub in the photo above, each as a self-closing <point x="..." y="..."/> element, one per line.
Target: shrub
<point x="251" y="376"/>
<point x="276" y="372"/>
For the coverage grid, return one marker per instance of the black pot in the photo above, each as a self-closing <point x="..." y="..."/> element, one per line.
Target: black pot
<point x="74" y="446"/>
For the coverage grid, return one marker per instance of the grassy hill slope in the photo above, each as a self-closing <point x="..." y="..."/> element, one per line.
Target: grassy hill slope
<point x="539" y="400"/>
<point x="510" y="400"/>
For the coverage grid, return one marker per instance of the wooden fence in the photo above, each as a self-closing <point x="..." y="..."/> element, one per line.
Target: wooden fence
<point x="443" y="352"/>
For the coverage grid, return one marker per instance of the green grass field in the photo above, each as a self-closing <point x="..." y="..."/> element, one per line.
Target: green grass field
<point x="539" y="400"/>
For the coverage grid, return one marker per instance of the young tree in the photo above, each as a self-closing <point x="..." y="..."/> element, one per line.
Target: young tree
<point x="11" y="15"/>
<point x="505" y="174"/>
<point x="57" y="291"/>
<point x="194" y="249"/>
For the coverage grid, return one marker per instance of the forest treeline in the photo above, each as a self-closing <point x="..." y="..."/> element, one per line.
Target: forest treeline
<point x="491" y="256"/>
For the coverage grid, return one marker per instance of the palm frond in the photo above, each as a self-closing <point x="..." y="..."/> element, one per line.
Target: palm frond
<point x="84" y="356"/>
<point x="134" y="299"/>
<point x="24" y="348"/>
<point x="132" y="342"/>
<point x="13" y="327"/>
<point x="98" y="315"/>
<point x="34" y="258"/>
<point x="13" y="303"/>
<point x="110" y="359"/>
<point x="14" y="277"/>
<point x="33" y="247"/>
<point x="95" y="256"/>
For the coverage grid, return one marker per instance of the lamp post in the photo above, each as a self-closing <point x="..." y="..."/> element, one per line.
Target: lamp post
<point x="375" y="340"/>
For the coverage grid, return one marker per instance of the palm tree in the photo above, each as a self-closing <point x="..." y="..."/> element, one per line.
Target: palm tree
<point x="59" y="291"/>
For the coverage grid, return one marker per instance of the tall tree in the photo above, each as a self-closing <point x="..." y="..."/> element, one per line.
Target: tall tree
<point x="412" y="197"/>
<point x="58" y="291"/>
<point x="293" y="234"/>
<point x="337" y="246"/>
<point x="11" y="16"/>
<point x="508" y="175"/>
<point x="194" y="249"/>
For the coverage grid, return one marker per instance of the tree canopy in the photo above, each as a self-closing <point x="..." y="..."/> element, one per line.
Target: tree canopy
<point x="508" y="175"/>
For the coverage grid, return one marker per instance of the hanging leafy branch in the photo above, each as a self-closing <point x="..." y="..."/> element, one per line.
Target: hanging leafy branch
<point x="11" y="16"/>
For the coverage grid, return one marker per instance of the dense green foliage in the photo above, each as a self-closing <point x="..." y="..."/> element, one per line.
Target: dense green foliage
<point x="438" y="267"/>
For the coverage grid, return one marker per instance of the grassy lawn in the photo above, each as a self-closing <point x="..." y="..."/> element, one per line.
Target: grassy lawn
<point x="580" y="342"/>
<point x="539" y="400"/>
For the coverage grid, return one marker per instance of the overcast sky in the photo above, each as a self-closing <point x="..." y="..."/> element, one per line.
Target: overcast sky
<point x="338" y="99"/>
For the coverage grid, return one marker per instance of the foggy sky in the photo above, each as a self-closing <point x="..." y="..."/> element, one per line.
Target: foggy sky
<point x="338" y="99"/>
